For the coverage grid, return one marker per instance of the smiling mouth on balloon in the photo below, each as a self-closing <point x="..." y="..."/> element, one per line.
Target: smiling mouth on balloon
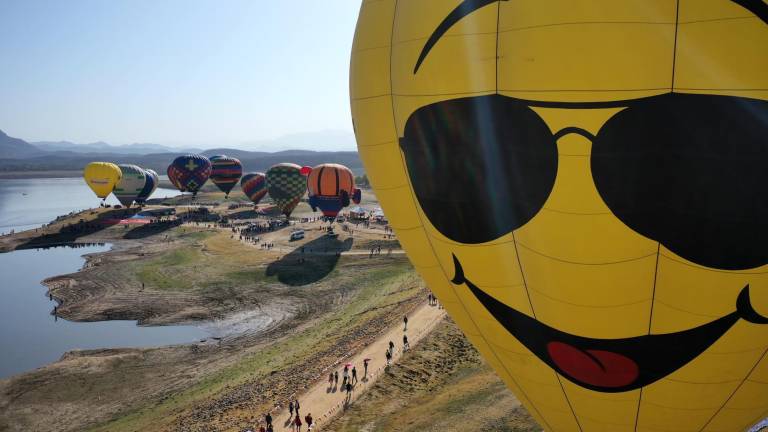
<point x="610" y="365"/>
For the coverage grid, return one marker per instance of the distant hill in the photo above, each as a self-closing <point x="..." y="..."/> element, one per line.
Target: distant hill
<point x="329" y="140"/>
<point x="252" y="161"/>
<point x="102" y="147"/>
<point x="16" y="148"/>
<point x="18" y="155"/>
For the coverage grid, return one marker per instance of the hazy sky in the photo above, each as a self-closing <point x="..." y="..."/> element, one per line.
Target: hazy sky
<point x="174" y="71"/>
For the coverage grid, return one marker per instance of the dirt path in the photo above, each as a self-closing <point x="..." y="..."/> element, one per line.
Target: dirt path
<point x="325" y="402"/>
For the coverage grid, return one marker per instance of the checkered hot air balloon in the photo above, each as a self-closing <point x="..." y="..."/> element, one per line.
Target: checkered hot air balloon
<point x="225" y="172"/>
<point x="286" y="186"/>
<point x="189" y="173"/>
<point x="254" y="186"/>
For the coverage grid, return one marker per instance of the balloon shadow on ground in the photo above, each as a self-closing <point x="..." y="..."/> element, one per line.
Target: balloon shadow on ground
<point x="310" y="262"/>
<point x="244" y="214"/>
<point x="69" y="234"/>
<point x="150" y="229"/>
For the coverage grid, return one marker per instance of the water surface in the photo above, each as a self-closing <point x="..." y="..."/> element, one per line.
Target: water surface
<point x="30" y="203"/>
<point x="30" y="336"/>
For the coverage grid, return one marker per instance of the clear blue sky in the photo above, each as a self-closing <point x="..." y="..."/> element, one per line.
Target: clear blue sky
<point x="174" y="71"/>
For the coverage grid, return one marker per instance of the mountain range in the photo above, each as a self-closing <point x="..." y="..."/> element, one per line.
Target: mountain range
<point x="19" y="155"/>
<point x="102" y="147"/>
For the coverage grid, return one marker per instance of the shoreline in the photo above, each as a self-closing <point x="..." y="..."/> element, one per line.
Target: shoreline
<point x="273" y="320"/>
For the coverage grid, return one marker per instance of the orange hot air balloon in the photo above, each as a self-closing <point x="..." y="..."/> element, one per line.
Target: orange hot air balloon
<point x="331" y="187"/>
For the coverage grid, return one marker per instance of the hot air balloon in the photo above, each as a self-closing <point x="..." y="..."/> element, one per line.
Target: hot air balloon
<point x="589" y="205"/>
<point x="286" y="186"/>
<point x="130" y="184"/>
<point x="102" y="177"/>
<point x="189" y="173"/>
<point x="331" y="187"/>
<point x="254" y="186"/>
<point x="153" y="180"/>
<point x="225" y="172"/>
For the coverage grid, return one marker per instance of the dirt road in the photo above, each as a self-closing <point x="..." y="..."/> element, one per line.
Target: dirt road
<point x="324" y="402"/>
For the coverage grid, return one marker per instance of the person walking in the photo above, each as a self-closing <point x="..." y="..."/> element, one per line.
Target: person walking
<point x="391" y="347"/>
<point x="296" y="406"/>
<point x="346" y="375"/>
<point x="330" y="379"/>
<point x="290" y="408"/>
<point x="389" y="358"/>
<point x="308" y="420"/>
<point x="354" y="374"/>
<point x="406" y="345"/>
<point x="268" y="419"/>
<point x="336" y="378"/>
<point x="297" y="423"/>
<point x="365" y="368"/>
<point x="405" y="322"/>
<point x="349" y="388"/>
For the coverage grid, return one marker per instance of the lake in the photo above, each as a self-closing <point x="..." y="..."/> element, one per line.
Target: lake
<point x="30" y="203"/>
<point x="29" y="335"/>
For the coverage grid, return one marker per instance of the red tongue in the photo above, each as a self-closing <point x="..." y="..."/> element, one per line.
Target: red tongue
<point x="593" y="367"/>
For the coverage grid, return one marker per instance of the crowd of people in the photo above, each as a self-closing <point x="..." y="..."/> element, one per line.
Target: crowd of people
<point x="349" y="379"/>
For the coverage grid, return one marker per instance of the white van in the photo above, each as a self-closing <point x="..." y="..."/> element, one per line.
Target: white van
<point x="297" y="235"/>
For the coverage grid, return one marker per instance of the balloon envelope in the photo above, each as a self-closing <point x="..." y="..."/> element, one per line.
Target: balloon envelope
<point x="331" y="187"/>
<point x="101" y="177"/>
<point x="254" y="186"/>
<point x="190" y="172"/>
<point x="130" y="184"/>
<point x="286" y="186"/>
<point x="599" y="233"/>
<point x="153" y="180"/>
<point x="225" y="172"/>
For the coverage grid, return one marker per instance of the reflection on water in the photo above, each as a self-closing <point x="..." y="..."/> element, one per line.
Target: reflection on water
<point x="30" y="203"/>
<point x="30" y="337"/>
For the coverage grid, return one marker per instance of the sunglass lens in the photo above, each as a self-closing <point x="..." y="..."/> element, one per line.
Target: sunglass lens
<point x="480" y="166"/>
<point x="691" y="172"/>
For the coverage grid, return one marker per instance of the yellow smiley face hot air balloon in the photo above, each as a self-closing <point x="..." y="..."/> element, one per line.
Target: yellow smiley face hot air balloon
<point x="584" y="185"/>
<point x="102" y="177"/>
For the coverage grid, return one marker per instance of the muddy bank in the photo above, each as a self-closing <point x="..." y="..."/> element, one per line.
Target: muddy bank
<point x="103" y="291"/>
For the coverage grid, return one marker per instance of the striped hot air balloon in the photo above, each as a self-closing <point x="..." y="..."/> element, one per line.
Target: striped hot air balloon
<point x="225" y="172"/>
<point x="286" y="186"/>
<point x="189" y="173"/>
<point x="331" y="187"/>
<point x="254" y="186"/>
<point x="130" y="185"/>
<point x="153" y="180"/>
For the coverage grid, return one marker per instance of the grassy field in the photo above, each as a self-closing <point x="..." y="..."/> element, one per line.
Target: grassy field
<point x="365" y="295"/>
